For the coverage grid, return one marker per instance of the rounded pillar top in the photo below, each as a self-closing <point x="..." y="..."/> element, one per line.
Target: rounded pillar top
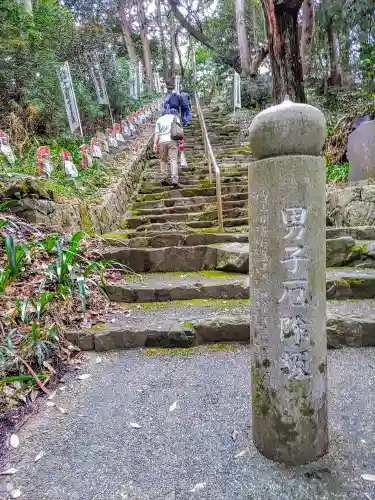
<point x="287" y="129"/>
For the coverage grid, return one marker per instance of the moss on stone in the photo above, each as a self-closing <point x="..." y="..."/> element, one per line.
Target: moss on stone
<point x="188" y="324"/>
<point x="222" y="347"/>
<point x="357" y="251"/>
<point x="115" y="235"/>
<point x="153" y="196"/>
<point x="86" y="223"/>
<point x="135" y="213"/>
<point x="169" y="351"/>
<point x="205" y="183"/>
<point x="150" y="306"/>
<point x="261" y="402"/>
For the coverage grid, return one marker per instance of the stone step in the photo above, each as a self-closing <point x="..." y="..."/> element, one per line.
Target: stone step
<point x="147" y="201"/>
<point x="167" y="239"/>
<point x="179" y="209"/>
<point x="203" y="321"/>
<point x="231" y="257"/>
<point x="344" y="283"/>
<point x="201" y="171"/>
<point x="163" y="287"/>
<point x="191" y="181"/>
<point x="228" y="257"/>
<point x="209" y="215"/>
<point x="188" y="192"/>
<point x="200" y="224"/>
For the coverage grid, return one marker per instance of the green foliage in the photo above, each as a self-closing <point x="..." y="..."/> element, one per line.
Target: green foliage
<point x="337" y="172"/>
<point x="32" y="48"/>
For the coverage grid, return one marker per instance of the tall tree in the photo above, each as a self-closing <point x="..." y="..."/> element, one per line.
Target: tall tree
<point x="283" y="43"/>
<point x="159" y="21"/>
<point x="145" y="43"/>
<point x="307" y="31"/>
<point x="243" y="39"/>
<point x="335" y="73"/>
<point x="124" y="12"/>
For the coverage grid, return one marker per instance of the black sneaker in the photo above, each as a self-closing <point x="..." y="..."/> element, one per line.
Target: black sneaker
<point x="165" y="182"/>
<point x="176" y="185"/>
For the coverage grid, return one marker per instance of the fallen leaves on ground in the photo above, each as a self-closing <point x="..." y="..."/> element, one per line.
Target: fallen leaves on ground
<point x="368" y="477"/>
<point x="173" y="406"/>
<point x="39" y="456"/>
<point x="14" y="441"/>
<point x="198" y="487"/>
<point x="9" y="472"/>
<point x="241" y="453"/>
<point x="234" y="435"/>
<point x="135" y="425"/>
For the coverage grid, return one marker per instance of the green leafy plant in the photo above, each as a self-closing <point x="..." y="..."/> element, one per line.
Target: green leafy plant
<point x="16" y="254"/>
<point x="22" y="310"/>
<point x="4" y="279"/>
<point x="49" y="242"/>
<point x="41" y="303"/>
<point x="40" y="343"/>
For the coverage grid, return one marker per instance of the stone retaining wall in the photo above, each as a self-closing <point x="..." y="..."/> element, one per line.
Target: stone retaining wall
<point x="76" y="214"/>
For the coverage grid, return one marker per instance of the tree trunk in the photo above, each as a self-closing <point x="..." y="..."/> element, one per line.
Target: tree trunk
<point x="307" y="31"/>
<point x="127" y="31"/>
<point x="335" y="76"/>
<point x="243" y="40"/>
<point x="283" y="44"/>
<point x="173" y="47"/>
<point x="182" y="72"/>
<point x="159" y="21"/>
<point x="145" y="44"/>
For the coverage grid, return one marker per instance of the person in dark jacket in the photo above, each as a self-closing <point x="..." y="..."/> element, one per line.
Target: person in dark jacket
<point x="173" y="102"/>
<point x="185" y="107"/>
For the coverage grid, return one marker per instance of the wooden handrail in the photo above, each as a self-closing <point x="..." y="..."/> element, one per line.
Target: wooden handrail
<point x="212" y="163"/>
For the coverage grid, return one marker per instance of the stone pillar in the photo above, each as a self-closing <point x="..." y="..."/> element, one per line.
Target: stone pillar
<point x="287" y="239"/>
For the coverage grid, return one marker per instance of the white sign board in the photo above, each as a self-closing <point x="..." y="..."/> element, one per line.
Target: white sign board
<point x="236" y="90"/>
<point x="133" y="80"/>
<point x="157" y="83"/>
<point x="98" y="80"/>
<point x="69" y="97"/>
<point x="140" y="76"/>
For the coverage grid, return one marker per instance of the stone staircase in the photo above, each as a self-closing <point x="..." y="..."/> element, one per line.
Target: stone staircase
<point x="192" y="285"/>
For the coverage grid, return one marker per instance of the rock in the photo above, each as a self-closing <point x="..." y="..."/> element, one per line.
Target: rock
<point x="351" y="331"/>
<point x="84" y="340"/>
<point x="361" y="152"/>
<point x="223" y="329"/>
<point x="351" y="204"/>
<point x="118" y="337"/>
<point x="338" y="251"/>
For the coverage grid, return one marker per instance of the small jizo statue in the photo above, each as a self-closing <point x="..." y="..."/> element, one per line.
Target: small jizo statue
<point x="96" y="151"/>
<point x="118" y="135"/>
<point x="5" y="148"/>
<point x="69" y="167"/>
<point x="44" y="162"/>
<point x="103" y="142"/>
<point x="133" y="128"/>
<point x="126" y="132"/>
<point x="112" y="142"/>
<point x="86" y="158"/>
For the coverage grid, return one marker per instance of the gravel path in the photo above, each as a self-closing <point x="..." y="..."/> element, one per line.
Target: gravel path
<point x="92" y="452"/>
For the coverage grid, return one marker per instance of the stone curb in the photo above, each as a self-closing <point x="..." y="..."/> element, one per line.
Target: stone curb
<point x="341" y="331"/>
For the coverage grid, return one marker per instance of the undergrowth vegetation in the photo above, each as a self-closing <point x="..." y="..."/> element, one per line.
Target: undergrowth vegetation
<point x="48" y="283"/>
